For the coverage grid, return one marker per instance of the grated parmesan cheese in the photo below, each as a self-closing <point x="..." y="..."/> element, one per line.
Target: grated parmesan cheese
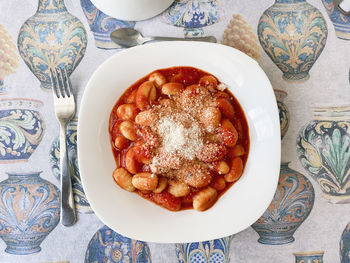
<point x="177" y="139"/>
<point x="221" y="87"/>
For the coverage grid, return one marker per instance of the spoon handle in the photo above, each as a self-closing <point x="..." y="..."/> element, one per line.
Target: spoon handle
<point x="203" y="39"/>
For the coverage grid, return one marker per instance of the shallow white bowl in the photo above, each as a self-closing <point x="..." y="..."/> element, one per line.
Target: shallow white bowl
<point x="132" y="10"/>
<point x="132" y="216"/>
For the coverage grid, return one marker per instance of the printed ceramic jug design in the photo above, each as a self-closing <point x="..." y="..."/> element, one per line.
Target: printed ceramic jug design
<point x="345" y="245"/>
<point x="293" y="34"/>
<point x="192" y="15"/>
<point x="102" y="25"/>
<point x="213" y="251"/>
<point x="291" y="205"/>
<point x="323" y="147"/>
<point x="29" y="211"/>
<point x="340" y="21"/>
<point x="21" y="129"/>
<point x="309" y="257"/>
<point x="51" y="38"/>
<point x="109" y="246"/>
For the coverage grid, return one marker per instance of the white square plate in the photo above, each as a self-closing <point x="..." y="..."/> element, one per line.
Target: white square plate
<point x="132" y="216"/>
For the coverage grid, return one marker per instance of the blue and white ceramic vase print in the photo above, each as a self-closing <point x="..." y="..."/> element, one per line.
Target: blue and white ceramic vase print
<point x="192" y="15"/>
<point x="309" y="257"/>
<point x="213" y="251"/>
<point x="293" y="33"/>
<point x="102" y="25"/>
<point x="29" y="211"/>
<point x="21" y="129"/>
<point x="323" y="147"/>
<point x="345" y="245"/>
<point x="291" y="205"/>
<point x="108" y="246"/>
<point x="283" y="111"/>
<point x="81" y="203"/>
<point x="51" y="38"/>
<point x="340" y="21"/>
<point x="8" y="58"/>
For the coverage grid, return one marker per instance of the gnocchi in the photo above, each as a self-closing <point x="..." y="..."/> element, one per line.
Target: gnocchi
<point x="219" y="183"/>
<point x="120" y="142"/>
<point x="222" y="167"/>
<point x="225" y="107"/>
<point x="179" y="138"/>
<point x="128" y="130"/>
<point x="208" y="81"/>
<point x="204" y="199"/>
<point x="235" y="170"/>
<point x="228" y="133"/>
<point x="145" y="94"/>
<point x="146" y="118"/>
<point x="172" y="88"/>
<point x="123" y="178"/>
<point x="157" y="78"/>
<point x="178" y="189"/>
<point x="210" y="117"/>
<point x="162" y="184"/>
<point x="195" y="174"/>
<point x="127" y="111"/>
<point x="145" y="181"/>
<point x="131" y="163"/>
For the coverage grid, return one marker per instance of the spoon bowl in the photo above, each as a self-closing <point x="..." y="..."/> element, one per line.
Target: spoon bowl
<point x="127" y="37"/>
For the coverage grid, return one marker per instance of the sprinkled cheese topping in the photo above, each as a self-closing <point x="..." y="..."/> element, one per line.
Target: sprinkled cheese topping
<point x="182" y="129"/>
<point x="221" y="87"/>
<point x="179" y="140"/>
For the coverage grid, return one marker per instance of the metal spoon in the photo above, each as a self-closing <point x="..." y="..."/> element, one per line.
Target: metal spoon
<point x="128" y="37"/>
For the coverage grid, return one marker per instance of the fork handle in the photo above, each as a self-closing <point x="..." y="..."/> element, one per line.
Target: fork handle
<point x="68" y="216"/>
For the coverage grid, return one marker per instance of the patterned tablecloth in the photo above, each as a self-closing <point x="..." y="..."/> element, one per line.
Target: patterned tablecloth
<point x="308" y="219"/>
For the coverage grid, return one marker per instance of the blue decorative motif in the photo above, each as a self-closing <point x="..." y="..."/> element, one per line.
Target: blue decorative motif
<point x="29" y="211"/>
<point x="340" y="21"/>
<point x="51" y="38"/>
<point x="345" y="245"/>
<point x="107" y="246"/>
<point x="323" y="147"/>
<point x="192" y="13"/>
<point x="213" y="251"/>
<point x="293" y="33"/>
<point x="80" y="200"/>
<point x="4" y="89"/>
<point x="194" y="32"/>
<point x="291" y="205"/>
<point x="21" y="128"/>
<point x="283" y="111"/>
<point x="102" y="25"/>
<point x="309" y="257"/>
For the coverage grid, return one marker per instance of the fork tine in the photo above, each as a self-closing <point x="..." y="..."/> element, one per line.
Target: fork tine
<point x="54" y="83"/>
<point x="66" y="82"/>
<point x="60" y="82"/>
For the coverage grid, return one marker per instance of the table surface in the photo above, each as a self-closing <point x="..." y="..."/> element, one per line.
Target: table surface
<point x="328" y="85"/>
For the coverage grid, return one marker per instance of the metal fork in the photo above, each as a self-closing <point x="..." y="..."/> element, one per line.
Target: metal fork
<point x="65" y="110"/>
